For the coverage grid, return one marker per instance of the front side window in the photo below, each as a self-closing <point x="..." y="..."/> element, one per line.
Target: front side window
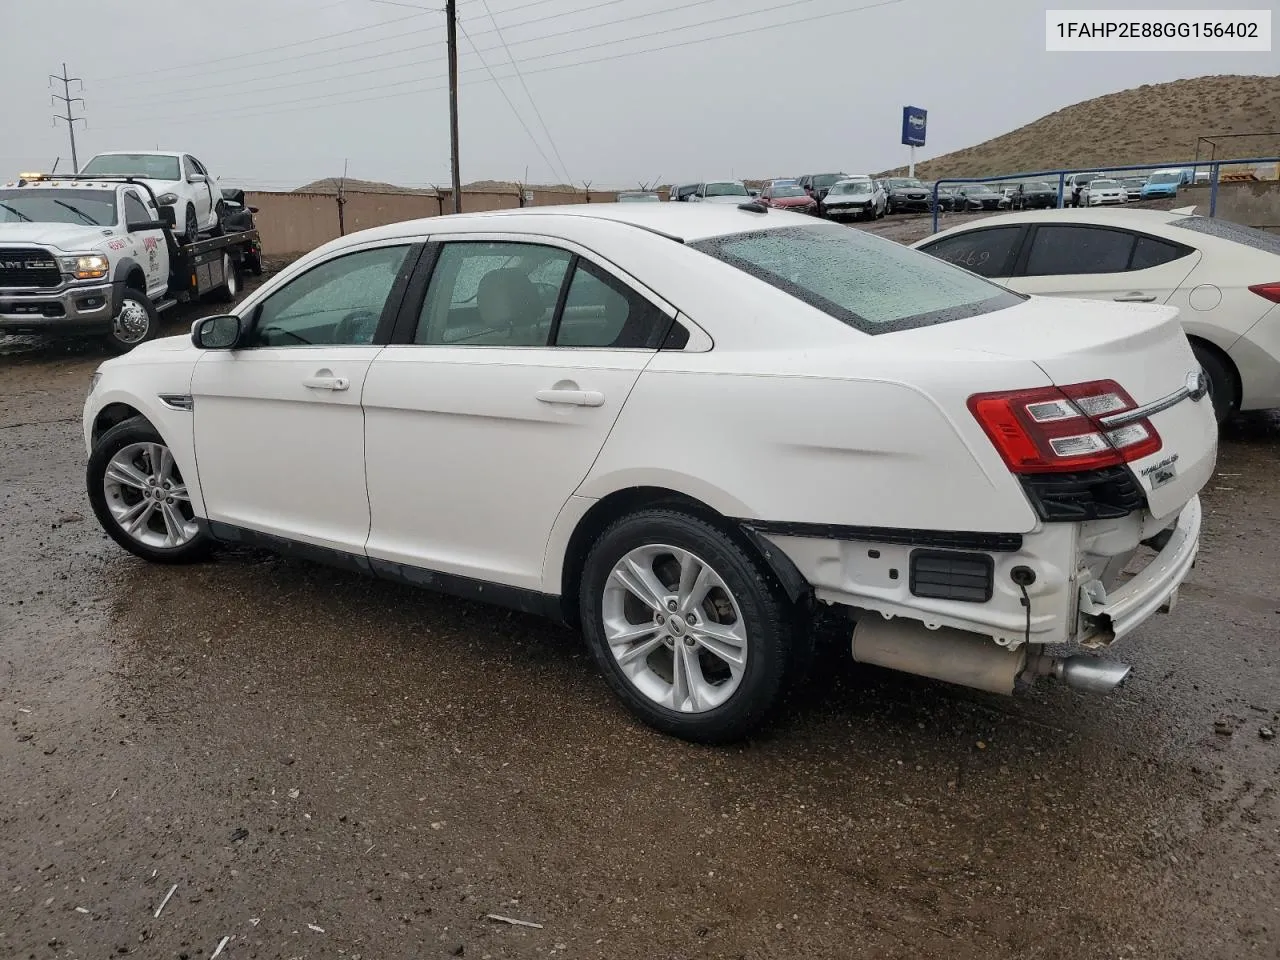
<point x="493" y="294"/>
<point x="872" y="284"/>
<point x="1066" y="250"/>
<point x="145" y="165"/>
<point x="90" y="208"/>
<point x="338" y="302"/>
<point x="986" y="252"/>
<point x="134" y="211"/>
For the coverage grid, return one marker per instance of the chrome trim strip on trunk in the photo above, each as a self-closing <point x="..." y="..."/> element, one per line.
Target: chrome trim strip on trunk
<point x="1196" y="387"/>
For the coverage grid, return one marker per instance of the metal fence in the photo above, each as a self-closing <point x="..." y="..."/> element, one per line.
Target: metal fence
<point x="1215" y="173"/>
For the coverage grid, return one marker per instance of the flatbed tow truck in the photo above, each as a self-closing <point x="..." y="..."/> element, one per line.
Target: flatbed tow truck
<point x="99" y="256"/>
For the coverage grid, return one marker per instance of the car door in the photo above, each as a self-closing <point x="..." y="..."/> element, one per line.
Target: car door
<point x="1101" y="263"/>
<point x="145" y="247"/>
<point x="198" y="190"/>
<point x="487" y="413"/>
<point x="211" y="189"/>
<point x="279" y="431"/>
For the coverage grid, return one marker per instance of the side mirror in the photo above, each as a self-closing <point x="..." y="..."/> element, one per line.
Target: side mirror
<point x="197" y="178"/>
<point x="137" y="226"/>
<point x="216" y="333"/>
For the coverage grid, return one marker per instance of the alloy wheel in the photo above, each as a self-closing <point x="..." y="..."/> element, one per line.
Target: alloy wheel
<point x="147" y="498"/>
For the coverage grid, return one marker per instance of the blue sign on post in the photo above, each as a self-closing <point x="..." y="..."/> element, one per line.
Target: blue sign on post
<point x="913" y="126"/>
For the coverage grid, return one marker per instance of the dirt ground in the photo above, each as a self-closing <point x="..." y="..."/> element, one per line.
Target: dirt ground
<point x="321" y="766"/>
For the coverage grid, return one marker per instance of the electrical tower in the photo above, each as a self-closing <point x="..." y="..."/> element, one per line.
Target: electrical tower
<point x="68" y="118"/>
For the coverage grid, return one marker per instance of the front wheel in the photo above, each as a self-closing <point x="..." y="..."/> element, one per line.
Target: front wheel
<point x="686" y="626"/>
<point x="135" y="322"/>
<point x="139" y="496"/>
<point x="191" y="226"/>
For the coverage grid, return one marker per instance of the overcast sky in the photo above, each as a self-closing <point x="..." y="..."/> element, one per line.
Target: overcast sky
<point x="274" y="93"/>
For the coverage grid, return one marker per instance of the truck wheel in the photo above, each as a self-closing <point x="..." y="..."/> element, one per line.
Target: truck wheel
<point x="191" y="230"/>
<point x="686" y="626"/>
<point x="228" y="292"/>
<point x="135" y="322"/>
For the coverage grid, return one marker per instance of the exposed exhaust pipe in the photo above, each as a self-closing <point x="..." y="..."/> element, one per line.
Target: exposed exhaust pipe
<point x="973" y="660"/>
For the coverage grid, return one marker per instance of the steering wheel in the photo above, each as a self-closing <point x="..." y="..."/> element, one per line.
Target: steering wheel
<point x="358" y="326"/>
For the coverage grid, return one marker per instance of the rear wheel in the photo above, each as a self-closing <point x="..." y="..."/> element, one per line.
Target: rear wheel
<point x="1222" y="382"/>
<point x="230" y="288"/>
<point x="219" y="220"/>
<point x="139" y="496"/>
<point x="687" y="627"/>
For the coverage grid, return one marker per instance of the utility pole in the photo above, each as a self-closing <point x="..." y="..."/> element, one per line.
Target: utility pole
<point x="68" y="118"/>
<point x="451" y="14"/>
<point x="342" y="200"/>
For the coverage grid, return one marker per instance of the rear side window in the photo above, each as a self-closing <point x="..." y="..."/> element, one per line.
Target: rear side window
<point x="601" y="312"/>
<point x="872" y="284"/>
<point x="1151" y="252"/>
<point x="1225" y="230"/>
<point x="1060" y="250"/>
<point x="988" y="252"/>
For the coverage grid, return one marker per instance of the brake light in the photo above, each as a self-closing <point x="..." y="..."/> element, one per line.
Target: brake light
<point x="1268" y="291"/>
<point x="1058" y="429"/>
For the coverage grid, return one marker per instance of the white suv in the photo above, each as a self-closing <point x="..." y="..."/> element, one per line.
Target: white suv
<point x="682" y="429"/>
<point x="178" y="180"/>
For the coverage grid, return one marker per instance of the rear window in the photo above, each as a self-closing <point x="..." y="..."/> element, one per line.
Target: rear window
<point x="872" y="284"/>
<point x="1226" y="230"/>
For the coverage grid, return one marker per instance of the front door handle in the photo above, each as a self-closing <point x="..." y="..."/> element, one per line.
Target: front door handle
<point x="326" y="383"/>
<point x="576" y="398"/>
<point x="1136" y="298"/>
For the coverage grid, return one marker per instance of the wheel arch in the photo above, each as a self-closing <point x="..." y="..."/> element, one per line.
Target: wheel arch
<point x="601" y="514"/>
<point x="1229" y="365"/>
<point x="111" y="415"/>
<point x="128" y="275"/>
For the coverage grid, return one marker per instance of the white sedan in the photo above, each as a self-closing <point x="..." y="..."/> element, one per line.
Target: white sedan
<point x="682" y="428"/>
<point x="1223" y="277"/>
<point x="1102" y="192"/>
<point x="178" y="180"/>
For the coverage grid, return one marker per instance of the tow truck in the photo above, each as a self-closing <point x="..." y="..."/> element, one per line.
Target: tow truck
<point x="98" y="255"/>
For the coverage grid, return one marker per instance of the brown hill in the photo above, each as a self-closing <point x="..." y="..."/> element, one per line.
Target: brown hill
<point x="1154" y="123"/>
<point x="330" y="185"/>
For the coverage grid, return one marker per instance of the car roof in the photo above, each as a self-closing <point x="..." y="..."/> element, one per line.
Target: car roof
<point x="65" y="184"/>
<point x="686" y="222"/>
<point x="139" y="153"/>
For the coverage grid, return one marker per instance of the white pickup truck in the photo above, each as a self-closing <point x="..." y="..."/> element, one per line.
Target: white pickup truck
<point x="98" y="255"/>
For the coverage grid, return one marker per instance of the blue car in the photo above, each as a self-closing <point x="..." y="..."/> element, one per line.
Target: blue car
<point x="1161" y="185"/>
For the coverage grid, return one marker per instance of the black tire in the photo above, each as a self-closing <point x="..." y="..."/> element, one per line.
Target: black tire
<point x="1223" y="390"/>
<point x="253" y="263"/>
<point x="228" y="292"/>
<point x="127" y="330"/>
<point x="136" y="430"/>
<point x="219" y="226"/>
<point x="191" y="228"/>
<point x="768" y="617"/>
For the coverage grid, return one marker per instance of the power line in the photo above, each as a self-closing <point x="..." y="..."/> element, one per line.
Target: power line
<point x="288" y="106"/>
<point x="576" y="30"/>
<point x="533" y="103"/>
<point x="502" y="90"/>
<point x="254" y="53"/>
<point x="69" y="117"/>
<point x="178" y="94"/>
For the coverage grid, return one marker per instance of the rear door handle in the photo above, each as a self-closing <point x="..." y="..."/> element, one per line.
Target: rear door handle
<point x="576" y="398"/>
<point x="326" y="383"/>
<point x="1136" y="298"/>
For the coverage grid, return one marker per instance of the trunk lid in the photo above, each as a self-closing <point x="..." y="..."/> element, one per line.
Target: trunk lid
<point x="1140" y="346"/>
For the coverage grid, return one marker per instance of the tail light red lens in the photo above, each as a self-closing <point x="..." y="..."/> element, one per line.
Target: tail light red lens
<point x="1268" y="291"/>
<point x="1059" y="429"/>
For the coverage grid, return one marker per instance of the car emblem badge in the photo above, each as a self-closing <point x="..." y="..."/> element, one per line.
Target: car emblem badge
<point x="1197" y="385"/>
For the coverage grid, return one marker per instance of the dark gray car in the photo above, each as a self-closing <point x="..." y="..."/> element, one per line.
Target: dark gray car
<point x="907" y="193"/>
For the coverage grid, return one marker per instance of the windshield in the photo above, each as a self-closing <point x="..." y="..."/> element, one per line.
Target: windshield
<point x="827" y="179"/>
<point x="91" y="208"/>
<point x="852" y="187"/>
<point x="1037" y="188"/>
<point x="143" y="165"/>
<point x="1104" y="184"/>
<point x="1225" y="230"/>
<point x="1164" y="178"/>
<point x="790" y="190"/>
<point x="908" y="184"/>
<point x="726" y="190"/>
<point x="641" y="197"/>
<point x="872" y="284"/>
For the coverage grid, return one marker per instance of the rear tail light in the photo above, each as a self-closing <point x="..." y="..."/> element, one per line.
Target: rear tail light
<point x="1059" y="429"/>
<point x="1268" y="291"/>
